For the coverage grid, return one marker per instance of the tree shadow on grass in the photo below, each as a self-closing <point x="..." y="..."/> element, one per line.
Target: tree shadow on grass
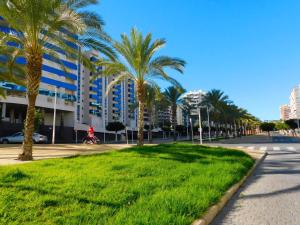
<point x="66" y="197"/>
<point x="186" y="153"/>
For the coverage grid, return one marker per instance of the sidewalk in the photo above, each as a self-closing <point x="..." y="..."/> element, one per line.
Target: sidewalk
<point x="9" y="153"/>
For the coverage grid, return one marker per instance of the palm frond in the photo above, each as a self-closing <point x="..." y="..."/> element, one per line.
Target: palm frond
<point x="168" y="62"/>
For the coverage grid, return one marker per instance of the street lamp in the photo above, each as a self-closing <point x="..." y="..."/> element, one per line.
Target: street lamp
<point x="192" y="130"/>
<point x="187" y="128"/>
<point x="126" y="135"/>
<point x="54" y="117"/>
<point x="200" y="124"/>
<point x="200" y="127"/>
<point x="298" y="126"/>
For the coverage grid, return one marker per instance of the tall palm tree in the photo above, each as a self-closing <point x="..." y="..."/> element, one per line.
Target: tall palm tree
<point x="35" y="24"/>
<point x="140" y="64"/>
<point x="217" y="101"/>
<point x="187" y="108"/>
<point x="173" y="94"/>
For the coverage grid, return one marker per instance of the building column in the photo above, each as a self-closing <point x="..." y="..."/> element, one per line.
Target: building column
<point x="12" y="116"/>
<point x="3" y="111"/>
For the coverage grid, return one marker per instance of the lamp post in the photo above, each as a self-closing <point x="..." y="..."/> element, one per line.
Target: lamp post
<point x="187" y="128"/>
<point x="54" y="117"/>
<point x="298" y="126"/>
<point x="104" y="128"/>
<point x="200" y="127"/>
<point x="126" y="134"/>
<point x="192" y="130"/>
<point x="76" y="136"/>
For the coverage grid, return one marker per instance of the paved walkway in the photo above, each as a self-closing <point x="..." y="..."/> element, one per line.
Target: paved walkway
<point x="272" y="195"/>
<point x="9" y="153"/>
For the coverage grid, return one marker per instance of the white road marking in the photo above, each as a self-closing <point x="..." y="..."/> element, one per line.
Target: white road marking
<point x="263" y="148"/>
<point x="291" y="148"/>
<point x="276" y="148"/>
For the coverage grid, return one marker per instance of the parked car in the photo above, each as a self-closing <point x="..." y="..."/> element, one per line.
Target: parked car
<point x="19" y="137"/>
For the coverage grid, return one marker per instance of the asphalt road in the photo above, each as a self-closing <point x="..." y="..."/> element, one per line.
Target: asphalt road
<point x="272" y="194"/>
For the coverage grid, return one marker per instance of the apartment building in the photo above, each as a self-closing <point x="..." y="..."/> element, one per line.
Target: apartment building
<point x="54" y="81"/>
<point x="295" y="103"/>
<point x="195" y="98"/>
<point x="99" y="106"/>
<point x="180" y="117"/>
<point x="164" y="116"/>
<point x="285" y="112"/>
<point x="81" y="97"/>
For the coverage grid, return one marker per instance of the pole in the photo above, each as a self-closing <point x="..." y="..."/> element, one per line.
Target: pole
<point x="298" y="127"/>
<point x="209" y="136"/>
<point x="200" y="127"/>
<point x="76" y="137"/>
<point x="187" y="128"/>
<point x="126" y="135"/>
<point x="104" y="136"/>
<point x="54" y="117"/>
<point x="192" y="130"/>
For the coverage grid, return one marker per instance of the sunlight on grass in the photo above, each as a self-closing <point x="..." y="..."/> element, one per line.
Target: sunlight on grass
<point x="164" y="184"/>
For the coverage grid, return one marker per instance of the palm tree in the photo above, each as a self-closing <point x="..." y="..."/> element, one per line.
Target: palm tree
<point x="187" y="107"/>
<point x="217" y="101"/>
<point x="140" y="64"/>
<point x="35" y="24"/>
<point x="173" y="94"/>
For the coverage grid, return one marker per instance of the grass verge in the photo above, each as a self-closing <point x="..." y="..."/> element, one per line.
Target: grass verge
<point x="164" y="184"/>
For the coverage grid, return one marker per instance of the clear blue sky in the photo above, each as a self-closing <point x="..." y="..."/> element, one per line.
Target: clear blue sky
<point x="248" y="48"/>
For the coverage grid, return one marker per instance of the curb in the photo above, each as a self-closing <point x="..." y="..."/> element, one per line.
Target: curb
<point x="213" y="211"/>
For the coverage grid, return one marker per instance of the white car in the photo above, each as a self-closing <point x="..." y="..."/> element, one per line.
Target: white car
<point x="19" y="137"/>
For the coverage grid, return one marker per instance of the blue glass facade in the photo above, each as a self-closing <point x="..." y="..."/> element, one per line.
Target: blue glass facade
<point x="54" y="70"/>
<point x="96" y="97"/>
<point x="117" y="99"/>
<point x="95" y="92"/>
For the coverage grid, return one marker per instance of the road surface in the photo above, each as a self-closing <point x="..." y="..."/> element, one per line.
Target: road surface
<point x="272" y="195"/>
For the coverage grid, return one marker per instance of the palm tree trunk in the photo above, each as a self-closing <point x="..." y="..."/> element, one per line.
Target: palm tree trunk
<point x="33" y="77"/>
<point x="141" y="100"/>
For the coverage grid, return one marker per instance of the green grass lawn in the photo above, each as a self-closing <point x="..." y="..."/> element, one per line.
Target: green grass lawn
<point x="164" y="184"/>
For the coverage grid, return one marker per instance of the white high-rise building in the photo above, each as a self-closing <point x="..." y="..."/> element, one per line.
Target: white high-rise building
<point x="179" y="116"/>
<point x="81" y="97"/>
<point x="98" y="106"/>
<point x="195" y="98"/>
<point x="295" y="103"/>
<point x="54" y="81"/>
<point x="285" y="112"/>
